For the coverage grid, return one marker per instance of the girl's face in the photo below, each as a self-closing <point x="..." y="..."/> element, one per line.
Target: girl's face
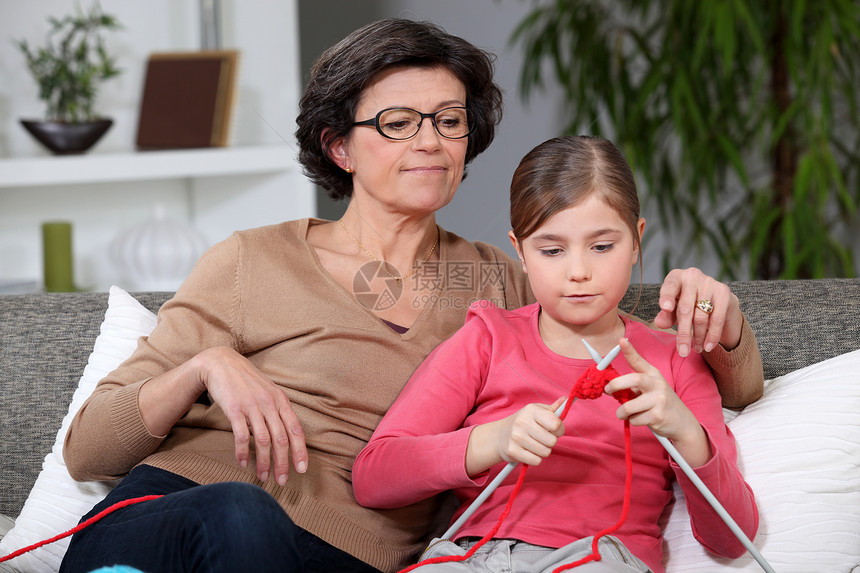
<point x="415" y="176"/>
<point x="579" y="263"/>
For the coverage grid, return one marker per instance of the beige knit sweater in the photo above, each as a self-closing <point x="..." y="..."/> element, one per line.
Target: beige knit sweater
<point x="264" y="293"/>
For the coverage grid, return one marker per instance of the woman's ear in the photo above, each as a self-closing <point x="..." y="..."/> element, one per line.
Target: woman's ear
<point x="336" y="150"/>
<point x="518" y="248"/>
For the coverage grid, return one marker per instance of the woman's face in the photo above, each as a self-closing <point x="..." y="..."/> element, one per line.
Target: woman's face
<point x="416" y="176"/>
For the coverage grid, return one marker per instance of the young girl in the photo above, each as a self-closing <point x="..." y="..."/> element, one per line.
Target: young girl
<point x="487" y="396"/>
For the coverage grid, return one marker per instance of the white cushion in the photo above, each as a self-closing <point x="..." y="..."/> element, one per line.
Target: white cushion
<point x="57" y="502"/>
<point x="799" y="449"/>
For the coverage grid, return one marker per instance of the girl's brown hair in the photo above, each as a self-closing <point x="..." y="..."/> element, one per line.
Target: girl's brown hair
<point x="564" y="171"/>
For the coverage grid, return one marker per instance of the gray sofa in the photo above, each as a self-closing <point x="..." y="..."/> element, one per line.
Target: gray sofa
<point x="45" y="340"/>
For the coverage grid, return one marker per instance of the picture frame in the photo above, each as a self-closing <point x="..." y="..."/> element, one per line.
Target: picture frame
<point x="188" y="99"/>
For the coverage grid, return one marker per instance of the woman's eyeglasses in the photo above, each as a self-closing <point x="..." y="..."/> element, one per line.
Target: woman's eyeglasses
<point x="403" y="123"/>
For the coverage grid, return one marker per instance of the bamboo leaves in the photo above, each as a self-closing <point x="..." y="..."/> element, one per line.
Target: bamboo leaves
<point x="741" y="118"/>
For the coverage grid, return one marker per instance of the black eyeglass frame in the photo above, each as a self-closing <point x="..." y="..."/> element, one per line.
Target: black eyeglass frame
<point x="374" y="122"/>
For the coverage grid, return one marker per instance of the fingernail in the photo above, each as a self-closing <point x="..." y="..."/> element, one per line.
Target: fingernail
<point x="243" y="464"/>
<point x="683" y="350"/>
<point x="282" y="479"/>
<point x="666" y="305"/>
<point x="303" y="467"/>
<point x="264" y="476"/>
<point x="709" y="346"/>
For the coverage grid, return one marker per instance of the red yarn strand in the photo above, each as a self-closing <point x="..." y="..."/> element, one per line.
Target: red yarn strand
<point x="80" y="526"/>
<point x="625" y="509"/>
<point x="484" y="539"/>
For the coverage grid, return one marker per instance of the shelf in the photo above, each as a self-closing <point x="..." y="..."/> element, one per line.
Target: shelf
<point x="144" y="165"/>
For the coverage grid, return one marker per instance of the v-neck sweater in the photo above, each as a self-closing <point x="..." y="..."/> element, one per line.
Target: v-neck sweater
<point x="265" y="293"/>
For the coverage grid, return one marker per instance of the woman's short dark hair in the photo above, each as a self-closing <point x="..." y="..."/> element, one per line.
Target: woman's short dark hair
<point x="340" y="75"/>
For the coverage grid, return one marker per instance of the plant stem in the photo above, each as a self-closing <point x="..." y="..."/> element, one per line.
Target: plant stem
<point x="784" y="154"/>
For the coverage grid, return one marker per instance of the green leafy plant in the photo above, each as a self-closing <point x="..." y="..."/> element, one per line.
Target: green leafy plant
<point x="740" y="117"/>
<point x="71" y="65"/>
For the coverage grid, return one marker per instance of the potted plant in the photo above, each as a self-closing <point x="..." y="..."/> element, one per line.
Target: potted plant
<point x="68" y="69"/>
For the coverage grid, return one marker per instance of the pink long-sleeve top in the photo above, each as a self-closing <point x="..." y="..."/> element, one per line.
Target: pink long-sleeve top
<point x="492" y="367"/>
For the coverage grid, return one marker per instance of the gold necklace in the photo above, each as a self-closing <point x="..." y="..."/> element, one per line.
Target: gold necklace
<point x="383" y="265"/>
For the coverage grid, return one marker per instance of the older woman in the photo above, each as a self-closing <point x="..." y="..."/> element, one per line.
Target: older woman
<point x="276" y="359"/>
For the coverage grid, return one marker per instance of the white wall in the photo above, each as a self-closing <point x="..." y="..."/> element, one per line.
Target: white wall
<point x="265" y="32"/>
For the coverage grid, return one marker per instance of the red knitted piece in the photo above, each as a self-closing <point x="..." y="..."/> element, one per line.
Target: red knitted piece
<point x="590" y="386"/>
<point x="592" y="382"/>
<point x="78" y="527"/>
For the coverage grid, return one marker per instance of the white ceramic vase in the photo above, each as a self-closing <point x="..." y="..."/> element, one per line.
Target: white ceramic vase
<point x="157" y="254"/>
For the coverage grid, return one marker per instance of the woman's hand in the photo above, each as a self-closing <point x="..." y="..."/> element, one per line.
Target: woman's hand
<point x="253" y="404"/>
<point x="658" y="407"/>
<point x="526" y="436"/>
<point x="680" y="292"/>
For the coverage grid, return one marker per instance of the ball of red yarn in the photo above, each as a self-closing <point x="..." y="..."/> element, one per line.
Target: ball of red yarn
<point x="592" y="383"/>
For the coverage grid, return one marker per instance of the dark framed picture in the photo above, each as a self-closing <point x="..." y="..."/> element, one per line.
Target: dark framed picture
<point x="188" y="99"/>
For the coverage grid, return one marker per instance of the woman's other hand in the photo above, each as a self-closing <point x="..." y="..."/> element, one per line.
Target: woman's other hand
<point x="681" y="290"/>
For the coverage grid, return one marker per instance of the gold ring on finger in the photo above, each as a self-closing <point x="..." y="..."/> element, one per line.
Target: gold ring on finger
<point x="705" y="306"/>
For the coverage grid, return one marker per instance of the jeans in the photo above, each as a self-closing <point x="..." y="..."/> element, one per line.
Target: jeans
<point x="223" y="527"/>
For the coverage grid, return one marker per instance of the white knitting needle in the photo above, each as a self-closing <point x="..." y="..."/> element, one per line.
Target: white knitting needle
<point x="703" y="489"/>
<point x="491" y="487"/>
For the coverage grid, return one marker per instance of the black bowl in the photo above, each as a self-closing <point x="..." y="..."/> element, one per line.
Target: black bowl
<point x="66" y="138"/>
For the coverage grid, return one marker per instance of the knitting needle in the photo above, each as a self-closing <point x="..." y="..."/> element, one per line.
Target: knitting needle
<point x="703" y="489"/>
<point x="491" y="487"/>
<point x="700" y="485"/>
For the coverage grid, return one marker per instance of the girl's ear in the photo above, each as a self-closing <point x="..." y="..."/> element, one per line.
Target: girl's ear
<point x="518" y="248"/>
<point x="336" y="150"/>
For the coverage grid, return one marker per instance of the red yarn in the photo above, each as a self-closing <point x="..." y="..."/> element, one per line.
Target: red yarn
<point x="484" y="539"/>
<point x="590" y="386"/>
<point x="80" y="526"/>
<point x="625" y="508"/>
